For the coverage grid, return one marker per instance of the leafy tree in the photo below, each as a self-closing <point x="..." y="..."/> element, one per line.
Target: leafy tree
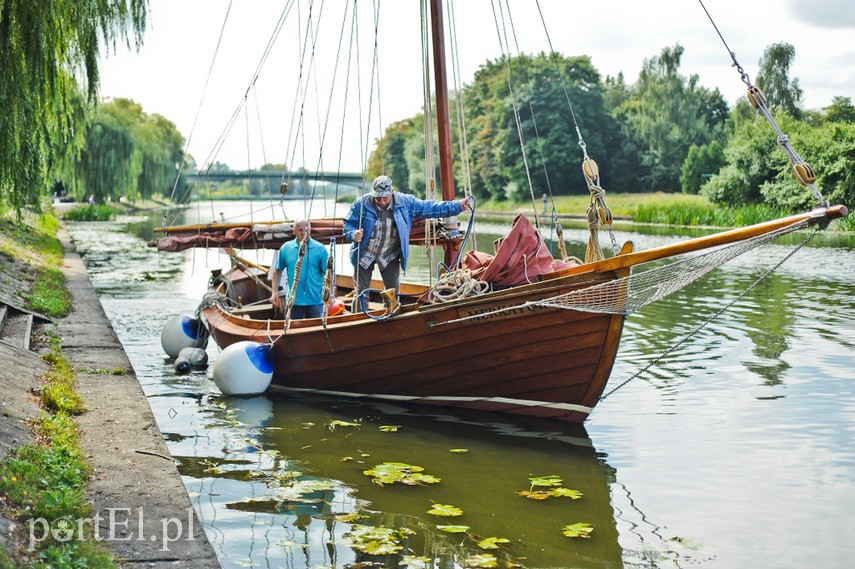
<point x="106" y="166"/>
<point x="700" y="164"/>
<point x="160" y="147"/>
<point x="389" y="157"/>
<point x="545" y="122"/>
<point x="840" y="110"/>
<point x="830" y="151"/>
<point x="128" y="153"/>
<point x="773" y="78"/>
<point x="665" y="114"/>
<point x="43" y="45"/>
<point x="757" y="170"/>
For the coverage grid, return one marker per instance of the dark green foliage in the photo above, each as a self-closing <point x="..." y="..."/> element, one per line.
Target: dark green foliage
<point x="664" y="114"/>
<point x="701" y="163"/>
<point x="100" y="212"/>
<point x="42" y="46"/>
<point x="774" y="78"/>
<point x="128" y="153"/>
<point x="758" y="170"/>
<point x="545" y="123"/>
<point x="840" y="110"/>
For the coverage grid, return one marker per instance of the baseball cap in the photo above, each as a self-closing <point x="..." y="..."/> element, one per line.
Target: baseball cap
<point x="382" y="187"/>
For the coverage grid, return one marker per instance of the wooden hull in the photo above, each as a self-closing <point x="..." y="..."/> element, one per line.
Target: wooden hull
<point x="543" y="362"/>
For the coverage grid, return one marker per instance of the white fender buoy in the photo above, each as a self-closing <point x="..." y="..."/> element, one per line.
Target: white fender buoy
<point x="183" y="332"/>
<point x="244" y="368"/>
<point x="190" y="358"/>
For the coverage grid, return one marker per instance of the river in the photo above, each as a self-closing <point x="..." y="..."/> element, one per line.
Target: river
<point x="736" y="449"/>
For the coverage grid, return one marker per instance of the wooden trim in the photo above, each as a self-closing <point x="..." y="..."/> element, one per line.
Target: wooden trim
<point x="706" y="242"/>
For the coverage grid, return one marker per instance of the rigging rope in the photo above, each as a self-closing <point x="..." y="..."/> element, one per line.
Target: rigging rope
<point x="514" y="101"/>
<point x="598" y="203"/>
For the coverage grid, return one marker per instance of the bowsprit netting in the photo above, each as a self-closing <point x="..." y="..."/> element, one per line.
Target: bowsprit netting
<point x="630" y="294"/>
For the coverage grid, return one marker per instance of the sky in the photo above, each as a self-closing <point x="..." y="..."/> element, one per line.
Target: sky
<point x="197" y="66"/>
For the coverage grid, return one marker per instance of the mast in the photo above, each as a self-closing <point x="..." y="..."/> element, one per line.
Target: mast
<point x="446" y="166"/>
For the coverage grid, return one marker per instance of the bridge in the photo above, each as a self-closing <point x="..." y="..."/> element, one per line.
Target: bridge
<point x="299" y="183"/>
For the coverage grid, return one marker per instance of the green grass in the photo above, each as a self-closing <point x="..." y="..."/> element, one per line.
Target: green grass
<point x="49" y="294"/>
<point x="667" y="209"/>
<point x="98" y="212"/>
<point x="58" y="392"/>
<point x="47" y="479"/>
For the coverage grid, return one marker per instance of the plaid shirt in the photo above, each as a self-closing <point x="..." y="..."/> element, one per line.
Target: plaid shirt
<point x="384" y="245"/>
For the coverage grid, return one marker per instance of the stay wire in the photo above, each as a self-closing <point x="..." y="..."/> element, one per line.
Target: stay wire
<point x="718" y="313"/>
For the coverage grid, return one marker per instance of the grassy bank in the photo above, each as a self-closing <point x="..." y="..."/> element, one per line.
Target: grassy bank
<point x="666" y="209"/>
<point x="42" y="484"/>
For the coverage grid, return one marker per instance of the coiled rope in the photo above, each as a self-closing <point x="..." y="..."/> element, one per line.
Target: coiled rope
<point x="457" y="284"/>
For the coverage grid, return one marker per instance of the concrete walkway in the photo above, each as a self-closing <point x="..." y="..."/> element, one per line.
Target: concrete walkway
<point x="144" y="514"/>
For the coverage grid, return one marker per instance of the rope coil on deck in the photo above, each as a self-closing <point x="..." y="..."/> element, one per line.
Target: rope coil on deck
<point x="457" y="284"/>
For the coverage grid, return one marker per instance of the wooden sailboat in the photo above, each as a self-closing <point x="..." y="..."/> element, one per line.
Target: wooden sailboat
<point x="513" y="349"/>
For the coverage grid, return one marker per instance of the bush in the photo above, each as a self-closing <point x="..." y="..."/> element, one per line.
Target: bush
<point x="701" y="163"/>
<point x="99" y="212"/>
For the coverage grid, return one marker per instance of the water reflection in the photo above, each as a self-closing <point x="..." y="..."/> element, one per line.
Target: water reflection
<point x="297" y="468"/>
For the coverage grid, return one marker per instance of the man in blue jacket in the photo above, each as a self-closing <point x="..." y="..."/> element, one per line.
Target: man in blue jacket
<point x="308" y="299"/>
<point x="379" y="225"/>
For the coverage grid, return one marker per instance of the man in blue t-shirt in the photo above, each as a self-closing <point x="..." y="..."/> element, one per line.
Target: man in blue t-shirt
<point x="308" y="293"/>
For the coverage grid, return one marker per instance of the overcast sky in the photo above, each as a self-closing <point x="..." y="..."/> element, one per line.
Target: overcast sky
<point x="168" y="75"/>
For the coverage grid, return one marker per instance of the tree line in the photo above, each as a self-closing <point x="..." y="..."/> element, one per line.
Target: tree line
<point x="665" y="132"/>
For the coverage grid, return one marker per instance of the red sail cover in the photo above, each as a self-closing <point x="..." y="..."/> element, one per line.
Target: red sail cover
<point x="520" y="257"/>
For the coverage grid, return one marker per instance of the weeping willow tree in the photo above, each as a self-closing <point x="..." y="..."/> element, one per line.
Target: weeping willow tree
<point x="45" y="49"/>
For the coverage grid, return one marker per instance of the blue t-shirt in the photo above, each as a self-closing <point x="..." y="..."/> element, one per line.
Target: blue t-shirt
<point x="310" y="288"/>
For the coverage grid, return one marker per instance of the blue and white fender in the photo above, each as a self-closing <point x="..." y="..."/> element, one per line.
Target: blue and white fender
<point x="183" y="332"/>
<point x="244" y="368"/>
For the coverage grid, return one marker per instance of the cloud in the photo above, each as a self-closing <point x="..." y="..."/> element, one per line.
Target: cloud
<point x="830" y="14"/>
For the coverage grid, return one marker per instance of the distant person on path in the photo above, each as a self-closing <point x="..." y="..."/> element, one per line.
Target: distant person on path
<point x="308" y="292"/>
<point x="379" y="225"/>
<point x="545" y="203"/>
<point x="91" y="199"/>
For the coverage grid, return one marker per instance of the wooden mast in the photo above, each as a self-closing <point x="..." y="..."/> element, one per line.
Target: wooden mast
<point x="446" y="164"/>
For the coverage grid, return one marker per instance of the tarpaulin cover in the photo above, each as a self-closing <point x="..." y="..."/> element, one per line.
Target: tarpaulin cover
<point x="520" y="257"/>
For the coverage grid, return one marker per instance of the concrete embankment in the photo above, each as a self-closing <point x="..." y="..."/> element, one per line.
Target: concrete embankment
<point x="141" y="510"/>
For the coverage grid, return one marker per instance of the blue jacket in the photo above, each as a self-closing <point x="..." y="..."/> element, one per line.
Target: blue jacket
<point x="406" y="208"/>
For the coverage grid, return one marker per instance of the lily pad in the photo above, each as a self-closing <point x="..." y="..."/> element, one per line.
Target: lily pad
<point x="392" y="472"/>
<point x="453" y="529"/>
<point x="580" y="529"/>
<point x="492" y="542"/>
<point x="338" y="423"/>
<point x="534" y="494"/>
<point x="549" y="481"/>
<point x="566" y="493"/>
<point x="445" y="510"/>
<point x="481" y="560"/>
<point x="374" y="540"/>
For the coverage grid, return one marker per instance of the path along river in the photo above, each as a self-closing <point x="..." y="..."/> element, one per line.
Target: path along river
<point x="735" y="450"/>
